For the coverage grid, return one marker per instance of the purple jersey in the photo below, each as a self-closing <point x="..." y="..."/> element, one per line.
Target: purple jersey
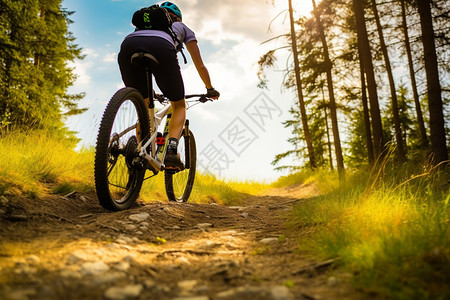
<point x="184" y="34"/>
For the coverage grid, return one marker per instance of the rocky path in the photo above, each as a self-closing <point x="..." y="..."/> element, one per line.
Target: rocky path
<point x="70" y="248"/>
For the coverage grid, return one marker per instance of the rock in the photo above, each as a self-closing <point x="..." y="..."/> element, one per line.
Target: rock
<point x="182" y="261"/>
<point x="107" y="278"/>
<point x="70" y="273"/>
<point x="280" y="292"/>
<point x="148" y="283"/>
<point x="332" y="281"/>
<point x="129" y="259"/>
<point x="235" y="207"/>
<point x="123" y="239"/>
<point x="122" y="266"/>
<point x="76" y="257"/>
<point x="140" y="217"/>
<point x="130" y="227"/>
<point x="268" y="241"/>
<point x="186" y="285"/>
<point x="94" y="268"/>
<point x="231" y="246"/>
<point x="207" y="245"/>
<point x="33" y="259"/>
<point x="244" y="215"/>
<point x="229" y="232"/>
<point x="203" y="226"/>
<point x="123" y="292"/>
<point x="243" y="292"/>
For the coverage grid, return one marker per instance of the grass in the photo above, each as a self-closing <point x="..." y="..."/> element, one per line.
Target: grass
<point x="34" y="162"/>
<point x="393" y="235"/>
<point x="38" y="162"/>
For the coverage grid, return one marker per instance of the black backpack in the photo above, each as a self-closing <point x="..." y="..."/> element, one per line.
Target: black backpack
<point x="156" y="18"/>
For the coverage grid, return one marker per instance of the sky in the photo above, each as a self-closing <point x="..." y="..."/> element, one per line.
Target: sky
<point x="237" y="136"/>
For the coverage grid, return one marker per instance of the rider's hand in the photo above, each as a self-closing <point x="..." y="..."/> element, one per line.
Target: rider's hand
<point x="212" y="93"/>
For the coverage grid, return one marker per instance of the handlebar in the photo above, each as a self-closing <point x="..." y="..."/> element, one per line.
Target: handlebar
<point x="203" y="98"/>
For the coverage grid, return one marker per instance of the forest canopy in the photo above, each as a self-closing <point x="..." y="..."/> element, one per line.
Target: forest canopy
<point x="35" y="49"/>
<point x="375" y="73"/>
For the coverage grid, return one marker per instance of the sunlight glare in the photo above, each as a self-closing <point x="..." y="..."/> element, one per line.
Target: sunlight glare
<point x="301" y="7"/>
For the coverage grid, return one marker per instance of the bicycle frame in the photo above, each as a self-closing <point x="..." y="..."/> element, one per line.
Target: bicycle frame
<point x="156" y="157"/>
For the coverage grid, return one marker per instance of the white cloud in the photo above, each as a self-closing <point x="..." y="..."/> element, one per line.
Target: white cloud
<point x="110" y="58"/>
<point x="89" y="52"/>
<point x="81" y="70"/>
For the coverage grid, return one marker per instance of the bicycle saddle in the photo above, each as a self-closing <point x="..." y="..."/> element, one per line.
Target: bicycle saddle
<point x="144" y="59"/>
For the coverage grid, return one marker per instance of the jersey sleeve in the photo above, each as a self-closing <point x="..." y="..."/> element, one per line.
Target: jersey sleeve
<point x="184" y="33"/>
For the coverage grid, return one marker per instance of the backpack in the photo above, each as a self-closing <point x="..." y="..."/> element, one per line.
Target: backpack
<point x="156" y="18"/>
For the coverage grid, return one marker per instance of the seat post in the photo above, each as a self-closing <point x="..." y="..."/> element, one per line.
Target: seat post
<point x="151" y="103"/>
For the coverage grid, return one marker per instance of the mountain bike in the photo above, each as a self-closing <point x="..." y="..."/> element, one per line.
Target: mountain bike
<point x="129" y="144"/>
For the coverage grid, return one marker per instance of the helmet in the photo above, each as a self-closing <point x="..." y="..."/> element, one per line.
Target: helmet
<point x="172" y="9"/>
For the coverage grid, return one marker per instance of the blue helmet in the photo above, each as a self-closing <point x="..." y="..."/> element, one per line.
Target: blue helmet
<point x="172" y="9"/>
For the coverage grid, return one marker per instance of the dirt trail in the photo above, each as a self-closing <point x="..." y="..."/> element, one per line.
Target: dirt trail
<point x="70" y="248"/>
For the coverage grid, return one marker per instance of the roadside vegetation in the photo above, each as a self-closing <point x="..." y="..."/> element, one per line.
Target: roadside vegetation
<point x="36" y="163"/>
<point x="389" y="227"/>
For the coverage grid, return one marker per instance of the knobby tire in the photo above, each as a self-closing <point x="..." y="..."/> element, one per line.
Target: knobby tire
<point x="118" y="178"/>
<point x="179" y="185"/>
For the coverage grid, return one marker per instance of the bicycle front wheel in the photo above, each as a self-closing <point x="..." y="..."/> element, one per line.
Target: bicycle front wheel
<point x="179" y="185"/>
<point x="119" y="171"/>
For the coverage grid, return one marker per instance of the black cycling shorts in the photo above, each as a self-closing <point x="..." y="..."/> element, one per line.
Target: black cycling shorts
<point x="167" y="73"/>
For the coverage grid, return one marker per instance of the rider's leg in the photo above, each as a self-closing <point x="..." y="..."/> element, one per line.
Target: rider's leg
<point x="178" y="118"/>
<point x="172" y="159"/>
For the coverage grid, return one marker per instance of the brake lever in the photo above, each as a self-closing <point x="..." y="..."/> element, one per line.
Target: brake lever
<point x="204" y="99"/>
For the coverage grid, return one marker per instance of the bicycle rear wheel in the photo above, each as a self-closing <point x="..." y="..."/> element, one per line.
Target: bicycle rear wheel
<point x="179" y="185"/>
<point x="119" y="171"/>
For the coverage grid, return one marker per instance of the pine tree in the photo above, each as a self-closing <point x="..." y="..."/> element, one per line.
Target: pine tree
<point x="34" y="54"/>
<point x="435" y="103"/>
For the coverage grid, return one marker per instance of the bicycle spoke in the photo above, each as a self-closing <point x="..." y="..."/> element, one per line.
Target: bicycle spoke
<point x="118" y="179"/>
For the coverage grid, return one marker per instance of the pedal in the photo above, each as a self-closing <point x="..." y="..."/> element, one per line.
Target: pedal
<point x="170" y="170"/>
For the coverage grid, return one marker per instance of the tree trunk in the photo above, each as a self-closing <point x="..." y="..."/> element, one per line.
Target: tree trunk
<point x="330" y="152"/>
<point x="421" y="123"/>
<point x="301" y="101"/>
<point x="437" y="123"/>
<point x="333" y="110"/>
<point x="366" y="56"/>
<point x="397" y="127"/>
<point x="369" y="143"/>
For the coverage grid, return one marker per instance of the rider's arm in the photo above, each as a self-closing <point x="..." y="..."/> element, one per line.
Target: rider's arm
<point x="194" y="51"/>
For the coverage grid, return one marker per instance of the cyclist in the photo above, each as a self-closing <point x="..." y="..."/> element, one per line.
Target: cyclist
<point x="167" y="73"/>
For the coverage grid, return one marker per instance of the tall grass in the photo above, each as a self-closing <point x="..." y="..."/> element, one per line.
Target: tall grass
<point x="393" y="235"/>
<point x="34" y="163"/>
<point x="207" y="189"/>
